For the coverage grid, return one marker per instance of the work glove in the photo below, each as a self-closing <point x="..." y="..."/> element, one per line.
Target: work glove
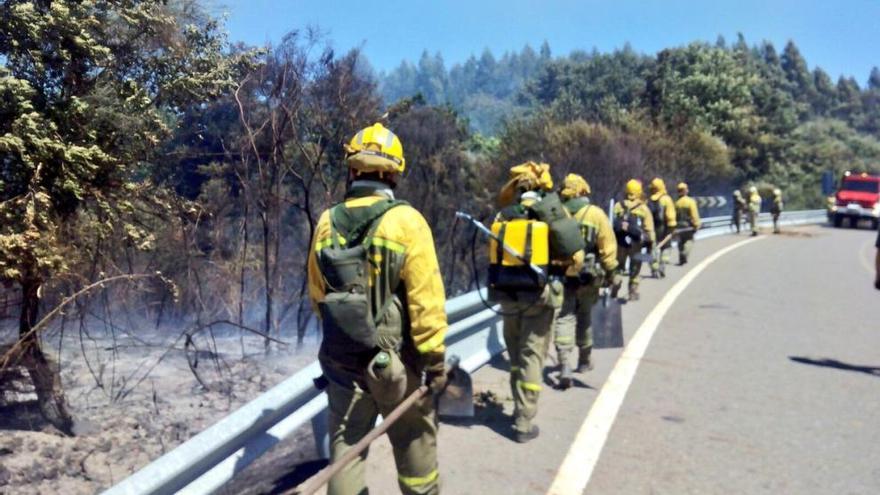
<point x="613" y="280"/>
<point x="435" y="371"/>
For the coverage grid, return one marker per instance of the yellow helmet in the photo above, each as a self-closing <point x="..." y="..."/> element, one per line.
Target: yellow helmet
<point x="753" y="190"/>
<point x="777" y="192"/>
<point x="573" y="186"/>
<point x="634" y="189"/>
<point x="528" y="176"/>
<point x="658" y="186"/>
<point x="375" y="149"/>
<point x="682" y="187"/>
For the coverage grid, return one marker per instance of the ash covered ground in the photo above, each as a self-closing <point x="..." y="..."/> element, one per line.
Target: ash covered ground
<point x="134" y="398"/>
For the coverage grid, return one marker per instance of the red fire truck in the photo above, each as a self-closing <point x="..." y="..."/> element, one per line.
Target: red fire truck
<point x="858" y="198"/>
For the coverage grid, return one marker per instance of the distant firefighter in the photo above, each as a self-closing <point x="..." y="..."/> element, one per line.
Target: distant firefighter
<point x="688" y="216"/>
<point x="754" y="209"/>
<point x="776" y="209"/>
<point x="739" y="207"/>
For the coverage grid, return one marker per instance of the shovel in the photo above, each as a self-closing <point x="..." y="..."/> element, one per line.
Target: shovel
<point x="457" y="385"/>
<point x="607" y="322"/>
<point x="648" y="257"/>
<point x="457" y="399"/>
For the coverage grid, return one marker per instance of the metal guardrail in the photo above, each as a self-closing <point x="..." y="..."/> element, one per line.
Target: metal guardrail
<point x="204" y="463"/>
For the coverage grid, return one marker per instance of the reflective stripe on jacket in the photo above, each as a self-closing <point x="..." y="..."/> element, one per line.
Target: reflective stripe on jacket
<point x="599" y="235"/>
<point x="688" y="213"/>
<point x="402" y="234"/>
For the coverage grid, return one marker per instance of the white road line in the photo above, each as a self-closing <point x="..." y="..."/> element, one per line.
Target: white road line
<point x="576" y="469"/>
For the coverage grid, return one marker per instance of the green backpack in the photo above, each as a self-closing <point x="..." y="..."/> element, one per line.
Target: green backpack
<point x="565" y="232"/>
<point x="347" y="317"/>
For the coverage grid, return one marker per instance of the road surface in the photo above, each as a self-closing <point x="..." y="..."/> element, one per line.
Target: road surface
<point x="763" y="376"/>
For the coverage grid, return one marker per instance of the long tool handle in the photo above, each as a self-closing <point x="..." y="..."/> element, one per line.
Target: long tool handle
<point x="482" y="228"/>
<point x="674" y="233"/>
<point x="317" y="481"/>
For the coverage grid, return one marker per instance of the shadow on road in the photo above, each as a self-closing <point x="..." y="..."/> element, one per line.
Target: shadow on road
<point x="840" y="365"/>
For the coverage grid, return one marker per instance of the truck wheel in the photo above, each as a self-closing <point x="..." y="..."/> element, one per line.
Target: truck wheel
<point x="838" y="220"/>
<point x="874" y="224"/>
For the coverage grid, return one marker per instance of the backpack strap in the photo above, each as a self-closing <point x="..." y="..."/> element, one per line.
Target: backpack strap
<point x="356" y="225"/>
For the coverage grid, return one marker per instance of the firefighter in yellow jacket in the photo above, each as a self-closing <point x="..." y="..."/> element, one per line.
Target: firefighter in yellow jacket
<point x="634" y="228"/>
<point x="375" y="282"/>
<point x="663" y="214"/>
<point x="754" y="209"/>
<point x="688" y="216"/>
<point x="528" y="300"/>
<point x="572" y="324"/>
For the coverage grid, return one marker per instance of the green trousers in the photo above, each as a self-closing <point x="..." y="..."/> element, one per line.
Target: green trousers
<point x="353" y="414"/>
<point x="527" y="332"/>
<point x="635" y="266"/>
<point x="571" y="326"/>
<point x="685" y="245"/>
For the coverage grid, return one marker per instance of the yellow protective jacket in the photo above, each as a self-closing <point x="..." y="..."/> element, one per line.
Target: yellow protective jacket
<point x="599" y="235"/>
<point x="638" y="208"/>
<point x="401" y="232"/>
<point x="687" y="211"/>
<point x="755" y="203"/>
<point x="667" y="205"/>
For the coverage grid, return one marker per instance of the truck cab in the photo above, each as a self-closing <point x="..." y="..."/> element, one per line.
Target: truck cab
<point x="857" y="198"/>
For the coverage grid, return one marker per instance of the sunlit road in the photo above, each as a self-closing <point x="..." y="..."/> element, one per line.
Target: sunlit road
<point x="762" y="377"/>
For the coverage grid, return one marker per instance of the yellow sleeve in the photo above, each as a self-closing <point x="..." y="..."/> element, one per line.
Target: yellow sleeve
<point x="669" y="207"/>
<point x="315" y="279"/>
<point x="695" y="214"/>
<point x="425" y="296"/>
<point x="649" y="222"/>
<point x="606" y="241"/>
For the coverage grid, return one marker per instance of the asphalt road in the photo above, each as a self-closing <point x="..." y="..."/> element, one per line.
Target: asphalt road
<point x="763" y="377"/>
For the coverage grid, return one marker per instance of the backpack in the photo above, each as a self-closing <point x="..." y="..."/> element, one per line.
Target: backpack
<point x="565" y="231"/>
<point x="634" y="234"/>
<point x="526" y="236"/>
<point x="348" y="320"/>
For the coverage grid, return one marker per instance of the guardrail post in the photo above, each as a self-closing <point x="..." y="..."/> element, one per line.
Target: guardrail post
<point x="321" y="433"/>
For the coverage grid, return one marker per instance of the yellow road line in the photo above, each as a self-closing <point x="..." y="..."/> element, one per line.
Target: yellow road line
<point x="577" y="468"/>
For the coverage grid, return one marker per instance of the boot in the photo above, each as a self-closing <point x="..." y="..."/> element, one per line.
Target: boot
<point x="523" y="437"/>
<point x="633" y="292"/>
<point x="584" y="362"/>
<point x="565" y="375"/>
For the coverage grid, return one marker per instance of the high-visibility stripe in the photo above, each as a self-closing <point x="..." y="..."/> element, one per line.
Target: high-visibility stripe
<point x="434" y="342"/>
<point x="419" y="480"/>
<point x="514" y="369"/>
<point x="360" y="137"/>
<point x="389" y="139"/>
<point x="534" y="387"/>
<point x="327" y="243"/>
<point x="388" y="244"/>
<point x="564" y="340"/>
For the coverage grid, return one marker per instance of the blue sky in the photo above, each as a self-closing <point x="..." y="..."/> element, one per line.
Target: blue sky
<point x="841" y="36"/>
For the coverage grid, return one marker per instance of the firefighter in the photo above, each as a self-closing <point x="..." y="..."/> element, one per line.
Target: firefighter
<point x="375" y="282"/>
<point x="688" y="217"/>
<point x="528" y="301"/>
<point x="663" y="214"/>
<point x="634" y="228"/>
<point x="739" y="207"/>
<point x="754" y="209"/>
<point x="571" y="327"/>
<point x="776" y="209"/>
